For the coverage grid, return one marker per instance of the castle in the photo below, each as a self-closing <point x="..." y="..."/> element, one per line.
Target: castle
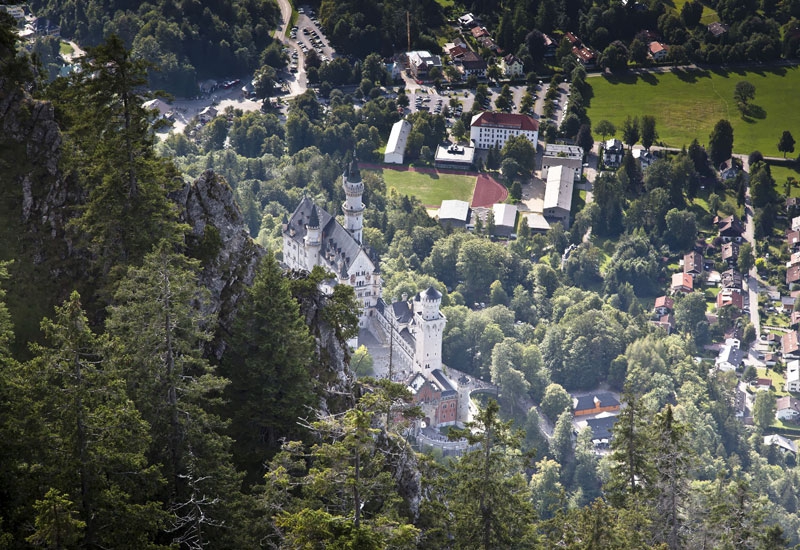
<point x="413" y="328"/>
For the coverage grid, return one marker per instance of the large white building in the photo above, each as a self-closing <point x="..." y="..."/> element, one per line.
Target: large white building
<point x="558" y="194"/>
<point x="396" y="146"/>
<point x="313" y="237"/>
<point x="488" y="129"/>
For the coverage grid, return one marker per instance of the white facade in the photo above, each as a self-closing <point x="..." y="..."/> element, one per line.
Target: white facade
<point x="558" y="194"/>
<point x="313" y="237"/>
<point x="493" y="129"/>
<point x="414" y="329"/>
<point x="396" y="146"/>
<point x="793" y="376"/>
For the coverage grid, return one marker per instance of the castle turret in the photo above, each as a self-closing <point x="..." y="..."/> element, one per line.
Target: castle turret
<point x="312" y="239"/>
<point x="353" y="207"/>
<point x="430" y="325"/>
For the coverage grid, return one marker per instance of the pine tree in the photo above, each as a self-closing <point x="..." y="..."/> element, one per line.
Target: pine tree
<point x="350" y="497"/>
<point x="158" y="329"/>
<point x="268" y="363"/>
<point x="671" y="463"/>
<point x="89" y="440"/>
<point x="489" y="499"/>
<point x="109" y="144"/>
<point x="631" y="470"/>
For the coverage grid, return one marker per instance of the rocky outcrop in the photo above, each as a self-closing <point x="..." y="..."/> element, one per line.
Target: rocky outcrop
<point x="220" y="239"/>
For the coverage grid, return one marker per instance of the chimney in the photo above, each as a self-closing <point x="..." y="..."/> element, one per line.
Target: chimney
<point x="596" y="402"/>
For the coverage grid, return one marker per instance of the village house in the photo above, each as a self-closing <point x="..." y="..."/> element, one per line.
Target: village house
<point x="730" y="228"/>
<point x="512" y="66"/>
<point x="664" y="305"/>
<point x="467" y="21"/>
<point x="550" y="46"/>
<point x="602" y="430"/>
<point x="792" y="276"/>
<point x="682" y="282"/>
<point x="731" y="279"/>
<point x="693" y="264"/>
<point x="666" y="322"/>
<point x="787" y="408"/>
<point x="469" y="63"/>
<point x="717" y="29"/>
<point x="730" y="253"/>
<point x="785" y="445"/>
<point x="790" y="348"/>
<point x="793" y="240"/>
<point x="657" y="51"/>
<point x="645" y="158"/>
<point x="728" y="169"/>
<point x="489" y="129"/>
<point x="792" y="376"/>
<point x="613" y="151"/>
<point x="594" y="403"/>
<point x="730" y="297"/>
<point x="730" y="358"/>
<point x="763" y="384"/>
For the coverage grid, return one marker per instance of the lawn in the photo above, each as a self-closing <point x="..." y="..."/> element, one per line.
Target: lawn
<point x="687" y="105"/>
<point x="781" y="173"/>
<point x="65" y="49"/>
<point x="431" y="189"/>
<point x="709" y="16"/>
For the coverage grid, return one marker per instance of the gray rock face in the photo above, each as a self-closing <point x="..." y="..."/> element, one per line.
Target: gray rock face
<point x="219" y="236"/>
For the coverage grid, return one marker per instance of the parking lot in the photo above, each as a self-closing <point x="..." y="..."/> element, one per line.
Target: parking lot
<point x="308" y="36"/>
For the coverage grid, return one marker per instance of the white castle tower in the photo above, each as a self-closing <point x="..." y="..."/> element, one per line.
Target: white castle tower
<point x="312" y="240"/>
<point x="352" y="207"/>
<point x="429" y="327"/>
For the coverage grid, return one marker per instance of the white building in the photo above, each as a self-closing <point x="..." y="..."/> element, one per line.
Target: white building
<point x="415" y="328"/>
<point x="488" y="129"/>
<point x="511" y="66"/>
<point x="793" y="376"/>
<point x="313" y="237"/>
<point x="558" y="194"/>
<point x="570" y="156"/>
<point x="505" y="219"/>
<point x="455" y="213"/>
<point x="421" y="62"/>
<point x="396" y="146"/>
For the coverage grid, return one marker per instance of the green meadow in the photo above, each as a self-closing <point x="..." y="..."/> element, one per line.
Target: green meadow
<point x="687" y="105"/>
<point x="431" y="189"/>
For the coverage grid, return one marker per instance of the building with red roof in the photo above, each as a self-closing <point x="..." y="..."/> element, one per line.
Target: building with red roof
<point x="489" y="128"/>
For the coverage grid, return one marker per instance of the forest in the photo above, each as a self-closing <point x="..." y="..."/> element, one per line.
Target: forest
<point x="143" y="407"/>
<point x="184" y="42"/>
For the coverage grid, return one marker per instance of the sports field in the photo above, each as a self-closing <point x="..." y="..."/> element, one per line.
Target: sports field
<point x="687" y="105"/>
<point x="430" y="188"/>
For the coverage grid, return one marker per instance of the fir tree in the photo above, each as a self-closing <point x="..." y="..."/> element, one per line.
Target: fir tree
<point x="268" y="363"/>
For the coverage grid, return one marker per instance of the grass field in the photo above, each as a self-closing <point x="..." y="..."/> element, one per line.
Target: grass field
<point x="687" y="105"/>
<point x="709" y="16"/>
<point x="431" y="189"/>
<point x="65" y="49"/>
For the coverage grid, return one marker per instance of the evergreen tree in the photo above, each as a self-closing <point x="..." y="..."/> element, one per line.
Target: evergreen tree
<point x="671" y="463"/>
<point x="268" y="364"/>
<point x="110" y="150"/>
<point x="631" y="469"/>
<point x="88" y="439"/>
<point x="489" y="502"/>
<point x="349" y="497"/>
<point x="159" y="327"/>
